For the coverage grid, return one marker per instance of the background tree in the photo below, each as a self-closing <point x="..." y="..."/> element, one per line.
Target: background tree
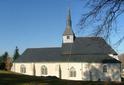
<point x="6" y="62"/>
<point x="0" y="59"/>
<point x="16" y="54"/>
<point x="102" y="16"/>
<point x="5" y="55"/>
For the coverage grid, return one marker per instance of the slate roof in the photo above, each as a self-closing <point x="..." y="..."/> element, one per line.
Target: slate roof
<point x="68" y="31"/>
<point x="88" y="45"/>
<point x="84" y="49"/>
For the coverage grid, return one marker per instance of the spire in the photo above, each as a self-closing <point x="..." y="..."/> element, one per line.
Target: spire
<point x="68" y="30"/>
<point x="68" y="23"/>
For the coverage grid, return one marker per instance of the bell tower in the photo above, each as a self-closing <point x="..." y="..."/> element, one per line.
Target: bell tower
<point x="68" y="35"/>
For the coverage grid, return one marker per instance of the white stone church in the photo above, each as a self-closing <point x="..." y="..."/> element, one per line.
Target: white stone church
<point x="79" y="58"/>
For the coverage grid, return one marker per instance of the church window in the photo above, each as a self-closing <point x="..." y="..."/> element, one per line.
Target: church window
<point x="72" y="72"/>
<point x="22" y="69"/>
<point x="43" y="70"/>
<point x="68" y="37"/>
<point x="105" y="68"/>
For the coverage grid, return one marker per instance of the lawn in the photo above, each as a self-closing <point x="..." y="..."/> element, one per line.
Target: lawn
<point x="10" y="78"/>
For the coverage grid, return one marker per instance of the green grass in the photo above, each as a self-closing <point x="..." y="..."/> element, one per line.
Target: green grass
<point x="10" y="78"/>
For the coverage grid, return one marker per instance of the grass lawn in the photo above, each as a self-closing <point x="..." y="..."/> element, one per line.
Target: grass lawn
<point x="10" y="78"/>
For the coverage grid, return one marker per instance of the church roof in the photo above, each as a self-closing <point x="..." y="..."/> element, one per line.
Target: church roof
<point x="68" y="30"/>
<point x="88" y="45"/>
<point x="84" y="49"/>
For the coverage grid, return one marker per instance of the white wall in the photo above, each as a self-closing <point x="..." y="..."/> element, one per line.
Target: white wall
<point x="71" y="40"/>
<point x="29" y="68"/>
<point x="84" y="71"/>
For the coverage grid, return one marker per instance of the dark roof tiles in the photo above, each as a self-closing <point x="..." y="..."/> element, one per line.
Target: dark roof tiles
<point x="88" y="45"/>
<point x="84" y="49"/>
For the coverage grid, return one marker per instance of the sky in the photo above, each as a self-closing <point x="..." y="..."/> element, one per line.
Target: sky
<point x="38" y="23"/>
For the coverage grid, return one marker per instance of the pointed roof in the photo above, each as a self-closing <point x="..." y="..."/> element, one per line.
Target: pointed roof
<point x="84" y="49"/>
<point x="68" y="30"/>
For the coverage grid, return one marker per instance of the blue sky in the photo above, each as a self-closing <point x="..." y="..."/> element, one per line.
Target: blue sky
<point x="37" y="23"/>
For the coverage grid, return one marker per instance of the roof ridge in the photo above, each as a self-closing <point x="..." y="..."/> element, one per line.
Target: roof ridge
<point x="89" y="37"/>
<point x="44" y="48"/>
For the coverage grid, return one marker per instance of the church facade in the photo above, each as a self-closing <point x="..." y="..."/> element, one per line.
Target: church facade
<point x="79" y="58"/>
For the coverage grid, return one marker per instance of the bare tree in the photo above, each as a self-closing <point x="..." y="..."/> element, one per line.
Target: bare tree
<point x="102" y="14"/>
<point x="8" y="63"/>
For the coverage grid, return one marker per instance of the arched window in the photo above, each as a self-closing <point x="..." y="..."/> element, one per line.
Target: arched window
<point x="104" y="68"/>
<point x="72" y="72"/>
<point x="43" y="70"/>
<point x="22" y="69"/>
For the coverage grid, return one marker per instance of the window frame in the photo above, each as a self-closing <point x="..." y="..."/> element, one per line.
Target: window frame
<point x="44" y="70"/>
<point x="68" y="37"/>
<point x="105" y="68"/>
<point x="23" y="69"/>
<point x="72" y="72"/>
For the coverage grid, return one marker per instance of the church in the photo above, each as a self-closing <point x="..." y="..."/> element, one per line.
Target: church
<point x="78" y="58"/>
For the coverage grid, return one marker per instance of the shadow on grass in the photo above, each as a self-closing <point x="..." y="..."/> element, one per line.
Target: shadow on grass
<point x="17" y="79"/>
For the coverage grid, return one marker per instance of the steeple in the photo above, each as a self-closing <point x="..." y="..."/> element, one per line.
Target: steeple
<point x="68" y="30"/>
<point x="68" y="35"/>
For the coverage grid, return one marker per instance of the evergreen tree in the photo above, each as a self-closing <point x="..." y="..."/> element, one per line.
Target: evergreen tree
<point x="16" y="54"/>
<point x="0" y="59"/>
<point x="4" y="56"/>
<point x="4" y="59"/>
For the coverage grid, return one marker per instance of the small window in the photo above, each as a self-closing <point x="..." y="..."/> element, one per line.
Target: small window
<point x="68" y="37"/>
<point x="43" y="70"/>
<point x="105" y="68"/>
<point x="72" y="72"/>
<point x="22" y="69"/>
